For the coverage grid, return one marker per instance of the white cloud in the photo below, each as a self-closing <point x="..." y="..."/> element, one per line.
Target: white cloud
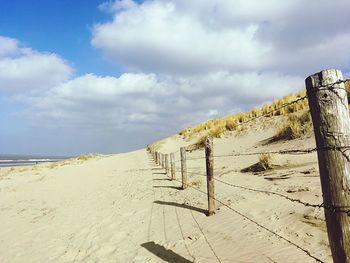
<point x="8" y="46"/>
<point x="187" y="37"/>
<point x="23" y="69"/>
<point x="157" y="37"/>
<point x="141" y="102"/>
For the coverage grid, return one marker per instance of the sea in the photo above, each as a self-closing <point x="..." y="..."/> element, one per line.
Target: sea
<point x="9" y="160"/>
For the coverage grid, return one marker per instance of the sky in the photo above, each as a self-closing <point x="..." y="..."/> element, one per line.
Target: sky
<point x="113" y="76"/>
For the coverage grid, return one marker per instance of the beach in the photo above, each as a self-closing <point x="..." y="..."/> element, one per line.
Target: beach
<point x="124" y="208"/>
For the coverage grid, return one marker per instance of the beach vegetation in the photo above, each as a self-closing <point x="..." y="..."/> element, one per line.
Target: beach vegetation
<point x="295" y="126"/>
<point x="265" y="159"/>
<point x="85" y="157"/>
<point x="219" y="126"/>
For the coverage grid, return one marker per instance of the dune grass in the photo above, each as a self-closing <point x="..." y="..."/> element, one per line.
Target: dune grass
<point x="85" y="157"/>
<point x="295" y="126"/>
<point x="265" y="159"/>
<point x="220" y="126"/>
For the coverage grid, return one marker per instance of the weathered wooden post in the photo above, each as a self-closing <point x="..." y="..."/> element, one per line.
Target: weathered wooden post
<point x="183" y="167"/>
<point x="159" y="162"/>
<point x="330" y="117"/>
<point x="210" y="174"/>
<point x="156" y="157"/>
<point x="167" y="164"/>
<point x="172" y="164"/>
<point x="163" y="162"/>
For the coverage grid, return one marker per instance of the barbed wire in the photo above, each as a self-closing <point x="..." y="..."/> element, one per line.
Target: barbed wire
<point x="270" y="192"/>
<point x="294" y="151"/>
<point x="331" y="85"/>
<point x="258" y="224"/>
<point x="332" y="208"/>
<point x="337" y="209"/>
<point x="194" y="173"/>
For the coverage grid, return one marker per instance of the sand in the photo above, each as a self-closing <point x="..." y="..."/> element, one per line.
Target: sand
<point x="123" y="208"/>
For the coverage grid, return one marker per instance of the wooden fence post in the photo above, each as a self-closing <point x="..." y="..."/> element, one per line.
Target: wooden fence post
<point x="159" y="162"/>
<point x="167" y="164"/>
<point x="172" y="163"/>
<point x="183" y="167"/>
<point x="331" y="121"/>
<point x="162" y="159"/>
<point x="210" y="174"/>
<point x="156" y="157"/>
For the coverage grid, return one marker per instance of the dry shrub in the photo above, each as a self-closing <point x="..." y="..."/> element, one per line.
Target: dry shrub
<point x="85" y="157"/>
<point x="217" y="132"/>
<point x="265" y="163"/>
<point x="199" y="144"/>
<point x="294" y="127"/>
<point x="265" y="159"/>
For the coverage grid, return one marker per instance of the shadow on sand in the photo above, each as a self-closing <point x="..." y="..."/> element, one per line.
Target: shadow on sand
<point x="163" y="253"/>
<point x="168" y="186"/>
<point x="165" y="179"/>
<point x="200" y="210"/>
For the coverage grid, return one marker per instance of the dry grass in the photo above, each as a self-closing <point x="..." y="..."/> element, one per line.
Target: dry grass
<point x="295" y="126"/>
<point x="218" y="127"/>
<point x="265" y="159"/>
<point x="265" y="163"/>
<point x="85" y="157"/>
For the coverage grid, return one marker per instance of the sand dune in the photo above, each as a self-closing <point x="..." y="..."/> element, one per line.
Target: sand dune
<point x="123" y="208"/>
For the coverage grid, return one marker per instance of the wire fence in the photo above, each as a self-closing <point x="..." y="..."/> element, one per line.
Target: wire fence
<point x="331" y="208"/>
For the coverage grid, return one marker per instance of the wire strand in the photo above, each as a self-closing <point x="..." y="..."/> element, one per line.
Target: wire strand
<point x="259" y="225"/>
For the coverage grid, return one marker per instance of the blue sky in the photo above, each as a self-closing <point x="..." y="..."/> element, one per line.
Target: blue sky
<point x="61" y="26"/>
<point x="96" y="76"/>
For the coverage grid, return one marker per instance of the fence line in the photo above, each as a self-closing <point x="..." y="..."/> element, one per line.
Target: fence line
<point x="270" y="192"/>
<point x="258" y="224"/>
<point x="332" y="153"/>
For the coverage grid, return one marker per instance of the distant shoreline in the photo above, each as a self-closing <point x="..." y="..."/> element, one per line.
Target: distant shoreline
<point x="21" y="160"/>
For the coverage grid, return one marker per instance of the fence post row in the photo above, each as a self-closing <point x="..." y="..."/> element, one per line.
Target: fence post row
<point x="330" y="117"/>
<point x="210" y="174"/>
<point x="183" y="167"/>
<point x="167" y="164"/>
<point x="172" y="164"/>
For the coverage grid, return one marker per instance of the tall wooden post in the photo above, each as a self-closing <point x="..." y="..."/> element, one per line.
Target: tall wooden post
<point x="331" y="121"/>
<point x="156" y="157"/>
<point x="163" y="160"/>
<point x="172" y="164"/>
<point x="159" y="161"/>
<point x="210" y="174"/>
<point x="167" y="164"/>
<point x="183" y="167"/>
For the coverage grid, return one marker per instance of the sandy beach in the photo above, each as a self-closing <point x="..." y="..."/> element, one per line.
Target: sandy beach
<point x="124" y="208"/>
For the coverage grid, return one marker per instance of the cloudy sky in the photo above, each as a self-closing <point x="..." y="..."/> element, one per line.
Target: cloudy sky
<point x="93" y="76"/>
